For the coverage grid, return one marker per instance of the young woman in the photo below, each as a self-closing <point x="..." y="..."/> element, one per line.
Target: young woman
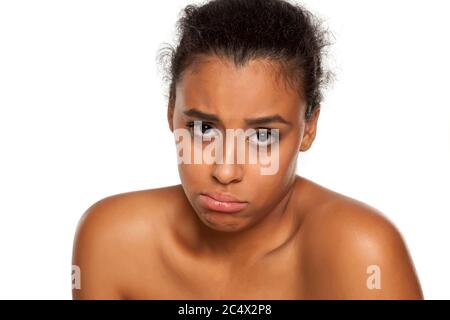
<point x="231" y="230"/>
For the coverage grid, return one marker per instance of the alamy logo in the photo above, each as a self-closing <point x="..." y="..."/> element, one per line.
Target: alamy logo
<point x="374" y="280"/>
<point x="263" y="151"/>
<point x="76" y="277"/>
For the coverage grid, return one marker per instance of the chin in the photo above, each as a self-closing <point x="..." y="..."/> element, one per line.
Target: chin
<point x="223" y="222"/>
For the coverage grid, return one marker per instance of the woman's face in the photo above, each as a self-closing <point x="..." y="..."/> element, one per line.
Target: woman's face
<point x="224" y="97"/>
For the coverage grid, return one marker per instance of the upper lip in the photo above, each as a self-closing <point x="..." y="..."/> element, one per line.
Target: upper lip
<point x="222" y="197"/>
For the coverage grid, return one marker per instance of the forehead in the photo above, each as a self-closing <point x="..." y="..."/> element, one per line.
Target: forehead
<point x="217" y="86"/>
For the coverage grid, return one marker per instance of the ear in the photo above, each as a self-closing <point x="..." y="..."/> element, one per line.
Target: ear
<point x="170" y="110"/>
<point x="310" y="130"/>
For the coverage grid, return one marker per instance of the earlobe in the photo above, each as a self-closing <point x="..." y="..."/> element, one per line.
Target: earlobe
<point x="305" y="145"/>
<point x="308" y="138"/>
<point x="310" y="131"/>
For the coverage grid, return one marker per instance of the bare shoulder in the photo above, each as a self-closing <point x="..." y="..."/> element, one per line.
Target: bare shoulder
<point x="353" y="251"/>
<point x="112" y="236"/>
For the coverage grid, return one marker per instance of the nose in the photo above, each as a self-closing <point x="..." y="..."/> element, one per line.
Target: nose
<point x="227" y="173"/>
<point x="229" y="170"/>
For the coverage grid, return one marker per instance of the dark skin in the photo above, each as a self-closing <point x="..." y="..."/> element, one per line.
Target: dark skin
<point x="296" y="239"/>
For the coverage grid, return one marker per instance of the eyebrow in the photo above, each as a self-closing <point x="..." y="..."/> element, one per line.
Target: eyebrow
<point x="254" y="121"/>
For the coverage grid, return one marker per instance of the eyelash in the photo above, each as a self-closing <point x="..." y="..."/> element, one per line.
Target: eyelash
<point x="191" y="125"/>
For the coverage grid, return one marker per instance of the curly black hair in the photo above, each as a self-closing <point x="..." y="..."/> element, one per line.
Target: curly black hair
<point x="242" y="30"/>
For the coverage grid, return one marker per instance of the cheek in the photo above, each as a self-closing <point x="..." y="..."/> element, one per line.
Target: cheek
<point x="286" y="154"/>
<point x="270" y="184"/>
<point x="276" y="183"/>
<point x="193" y="174"/>
<point x="290" y="148"/>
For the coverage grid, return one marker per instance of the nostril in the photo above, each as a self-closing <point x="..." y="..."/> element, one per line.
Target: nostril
<point x="227" y="173"/>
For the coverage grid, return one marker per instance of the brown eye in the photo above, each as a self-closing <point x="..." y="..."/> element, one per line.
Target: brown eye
<point x="198" y="128"/>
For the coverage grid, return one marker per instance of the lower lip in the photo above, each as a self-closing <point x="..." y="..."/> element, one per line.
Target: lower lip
<point x="220" y="206"/>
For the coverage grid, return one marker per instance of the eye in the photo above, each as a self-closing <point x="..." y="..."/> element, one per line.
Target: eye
<point x="264" y="136"/>
<point x="201" y="129"/>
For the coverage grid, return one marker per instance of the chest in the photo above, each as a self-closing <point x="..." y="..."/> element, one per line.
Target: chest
<point x="276" y="276"/>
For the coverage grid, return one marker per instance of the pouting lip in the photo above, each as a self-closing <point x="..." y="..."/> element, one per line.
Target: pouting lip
<point x="222" y="197"/>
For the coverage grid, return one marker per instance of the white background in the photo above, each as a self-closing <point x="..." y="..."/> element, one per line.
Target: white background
<point x="82" y="116"/>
